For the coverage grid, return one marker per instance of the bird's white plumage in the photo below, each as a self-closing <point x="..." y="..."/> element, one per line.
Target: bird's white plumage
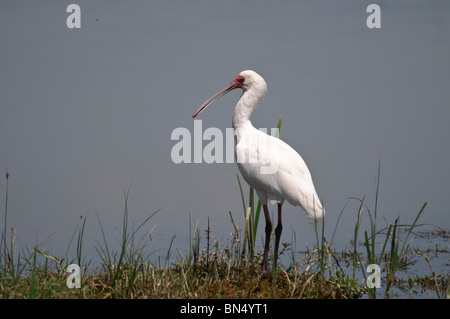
<point x="289" y="177"/>
<point x="269" y="165"/>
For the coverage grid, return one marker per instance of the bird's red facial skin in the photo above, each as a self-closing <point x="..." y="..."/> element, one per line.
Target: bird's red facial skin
<point x="239" y="81"/>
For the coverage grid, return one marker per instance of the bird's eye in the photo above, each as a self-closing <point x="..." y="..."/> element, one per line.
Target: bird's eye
<point x="241" y="79"/>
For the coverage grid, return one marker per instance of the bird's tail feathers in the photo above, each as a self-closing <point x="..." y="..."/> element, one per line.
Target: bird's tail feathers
<point x="315" y="209"/>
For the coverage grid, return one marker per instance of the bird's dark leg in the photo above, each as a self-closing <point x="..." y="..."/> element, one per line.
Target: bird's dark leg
<point x="278" y="231"/>
<point x="265" y="267"/>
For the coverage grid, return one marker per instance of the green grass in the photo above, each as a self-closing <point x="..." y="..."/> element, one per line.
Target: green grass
<point x="213" y="269"/>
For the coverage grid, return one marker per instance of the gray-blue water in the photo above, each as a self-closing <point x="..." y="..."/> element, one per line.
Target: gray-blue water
<point x="86" y="112"/>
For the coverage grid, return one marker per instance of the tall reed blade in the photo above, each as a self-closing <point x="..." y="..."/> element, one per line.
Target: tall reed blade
<point x="3" y="244"/>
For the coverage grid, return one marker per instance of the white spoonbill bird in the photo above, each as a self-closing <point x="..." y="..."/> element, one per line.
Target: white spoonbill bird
<point x="269" y="165"/>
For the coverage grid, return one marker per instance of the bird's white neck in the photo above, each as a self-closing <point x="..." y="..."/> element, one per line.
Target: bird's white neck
<point x="247" y="103"/>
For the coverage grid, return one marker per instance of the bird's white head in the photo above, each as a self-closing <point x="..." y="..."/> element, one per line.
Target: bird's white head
<point x="252" y="80"/>
<point x="246" y="80"/>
